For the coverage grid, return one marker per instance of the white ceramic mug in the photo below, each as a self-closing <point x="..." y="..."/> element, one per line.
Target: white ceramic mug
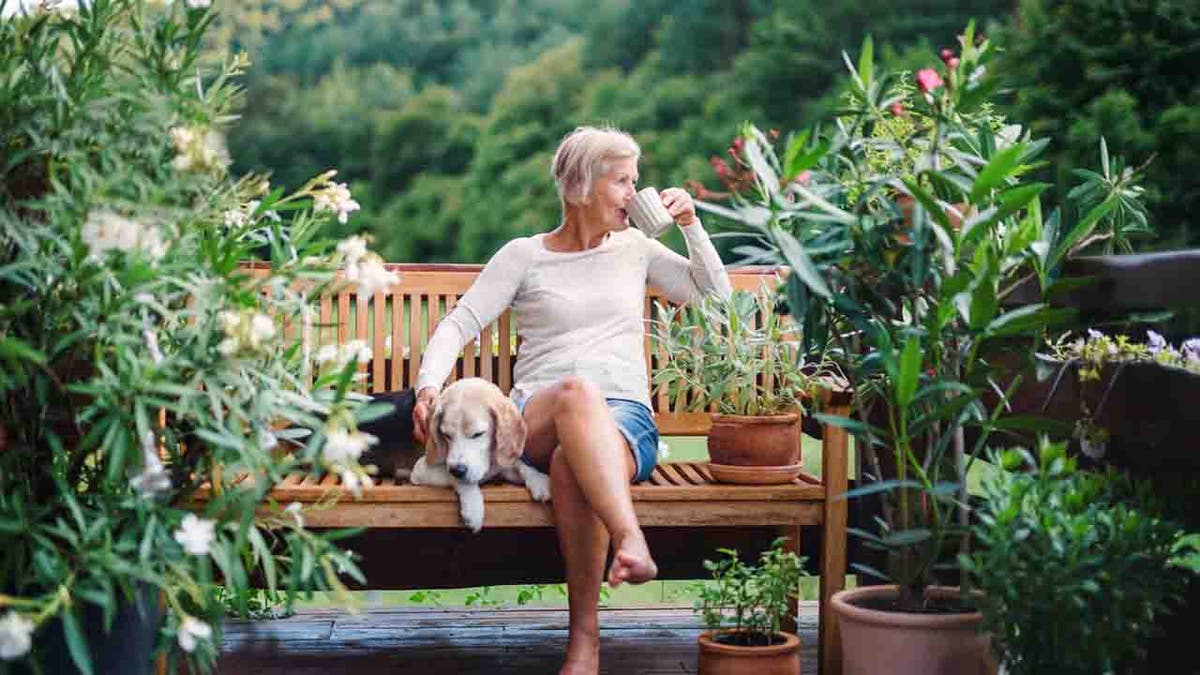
<point x="648" y="214"/>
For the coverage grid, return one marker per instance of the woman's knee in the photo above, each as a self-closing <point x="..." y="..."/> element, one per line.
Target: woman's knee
<point x="575" y="394"/>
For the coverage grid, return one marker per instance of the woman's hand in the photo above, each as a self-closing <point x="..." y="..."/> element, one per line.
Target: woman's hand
<point x="679" y="204"/>
<point x="424" y="404"/>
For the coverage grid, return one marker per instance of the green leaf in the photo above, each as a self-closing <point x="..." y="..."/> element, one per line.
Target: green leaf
<point x="1025" y="319"/>
<point x="793" y="251"/>
<point x="76" y="643"/>
<point x="1083" y="228"/>
<point x="984" y="304"/>
<point x="866" y="62"/>
<point x="1041" y="425"/>
<point x="854" y="426"/>
<point x="910" y="371"/>
<point x="1001" y="166"/>
<point x="879" y="486"/>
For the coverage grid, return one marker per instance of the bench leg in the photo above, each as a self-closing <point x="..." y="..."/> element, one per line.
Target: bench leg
<point x="792" y="534"/>
<point x="835" y="448"/>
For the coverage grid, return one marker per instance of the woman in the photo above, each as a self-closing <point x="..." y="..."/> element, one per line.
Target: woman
<point x="577" y="294"/>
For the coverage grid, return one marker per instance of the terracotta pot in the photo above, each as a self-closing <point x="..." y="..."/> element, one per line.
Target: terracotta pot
<point x="721" y="659"/>
<point x="767" y="440"/>
<point x="759" y="450"/>
<point x="901" y="643"/>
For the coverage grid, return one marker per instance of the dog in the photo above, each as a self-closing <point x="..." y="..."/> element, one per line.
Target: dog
<point x="475" y="434"/>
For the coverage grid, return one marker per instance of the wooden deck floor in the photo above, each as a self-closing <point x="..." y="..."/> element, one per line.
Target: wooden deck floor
<point x="495" y="641"/>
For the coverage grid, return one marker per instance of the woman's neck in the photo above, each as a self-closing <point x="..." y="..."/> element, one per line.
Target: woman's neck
<point x="576" y="233"/>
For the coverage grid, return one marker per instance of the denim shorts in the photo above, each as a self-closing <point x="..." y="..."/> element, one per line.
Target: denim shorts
<point x="636" y="423"/>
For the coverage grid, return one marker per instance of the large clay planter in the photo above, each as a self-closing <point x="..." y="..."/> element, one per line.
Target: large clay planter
<point x="721" y="659"/>
<point x="901" y="643"/>
<point x="755" y="449"/>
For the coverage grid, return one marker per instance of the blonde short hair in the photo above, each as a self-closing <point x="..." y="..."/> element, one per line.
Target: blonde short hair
<point x="583" y="155"/>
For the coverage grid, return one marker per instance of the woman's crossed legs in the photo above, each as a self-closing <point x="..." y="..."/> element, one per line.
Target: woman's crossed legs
<point x="571" y="431"/>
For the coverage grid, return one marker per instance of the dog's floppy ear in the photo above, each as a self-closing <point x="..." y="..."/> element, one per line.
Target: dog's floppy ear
<point x="508" y="429"/>
<point x="436" y="447"/>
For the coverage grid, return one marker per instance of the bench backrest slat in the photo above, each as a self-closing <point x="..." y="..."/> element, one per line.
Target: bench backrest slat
<point x="408" y="312"/>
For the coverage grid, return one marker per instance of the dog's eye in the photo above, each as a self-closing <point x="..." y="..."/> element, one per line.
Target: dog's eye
<point x="479" y="434"/>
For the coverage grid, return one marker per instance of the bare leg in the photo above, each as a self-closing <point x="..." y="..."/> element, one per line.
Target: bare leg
<point x="572" y="418"/>
<point x="583" y="527"/>
<point x="583" y="542"/>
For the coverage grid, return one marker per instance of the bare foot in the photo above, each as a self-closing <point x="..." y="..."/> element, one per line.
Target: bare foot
<point x="631" y="562"/>
<point x="584" y="667"/>
<point x="583" y="655"/>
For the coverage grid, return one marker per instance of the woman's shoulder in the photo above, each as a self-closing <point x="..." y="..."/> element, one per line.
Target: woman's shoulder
<point x="518" y="249"/>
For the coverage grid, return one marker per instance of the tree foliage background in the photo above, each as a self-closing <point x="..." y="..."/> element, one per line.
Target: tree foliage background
<point x="444" y="115"/>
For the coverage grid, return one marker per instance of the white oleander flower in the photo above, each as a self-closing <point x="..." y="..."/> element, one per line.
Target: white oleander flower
<point x="151" y="338"/>
<point x="340" y="356"/>
<point x="196" y="534"/>
<point x="267" y="440"/>
<point x="352" y="481"/>
<point x="295" y="510"/>
<point x="373" y="277"/>
<point x="327" y="354"/>
<point x="198" y="4"/>
<point x="342" y="446"/>
<point x="227" y="347"/>
<point x="105" y="231"/>
<point x="154" y="477"/>
<point x="235" y="218"/>
<point x="262" y="328"/>
<point x="16" y="634"/>
<point x="356" y="350"/>
<point x="201" y="149"/>
<point x="352" y="249"/>
<point x="335" y="198"/>
<point x="191" y="631"/>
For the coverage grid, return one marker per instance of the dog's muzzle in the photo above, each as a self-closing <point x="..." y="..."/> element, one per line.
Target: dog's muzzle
<point x="457" y="470"/>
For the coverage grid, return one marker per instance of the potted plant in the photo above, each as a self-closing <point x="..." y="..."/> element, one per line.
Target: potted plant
<point x="743" y="607"/>
<point x="138" y="364"/>
<point x="1058" y="548"/>
<point x="922" y="314"/>
<point x="753" y="377"/>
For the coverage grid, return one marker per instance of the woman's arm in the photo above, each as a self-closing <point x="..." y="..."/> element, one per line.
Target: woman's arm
<point x="688" y="279"/>
<point x="492" y="293"/>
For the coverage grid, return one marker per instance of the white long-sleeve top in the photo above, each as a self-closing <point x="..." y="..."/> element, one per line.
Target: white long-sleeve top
<point x="578" y="313"/>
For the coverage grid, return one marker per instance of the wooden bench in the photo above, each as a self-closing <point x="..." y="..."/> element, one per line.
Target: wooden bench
<point x="417" y="540"/>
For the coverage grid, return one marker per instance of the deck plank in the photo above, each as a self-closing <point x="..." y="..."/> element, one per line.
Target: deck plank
<point x="649" y="640"/>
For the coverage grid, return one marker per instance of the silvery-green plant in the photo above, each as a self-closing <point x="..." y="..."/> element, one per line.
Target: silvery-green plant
<point x="715" y="352"/>
<point x="139" y="362"/>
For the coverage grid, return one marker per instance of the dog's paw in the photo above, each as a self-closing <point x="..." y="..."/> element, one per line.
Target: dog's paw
<point x="470" y="507"/>
<point x="537" y="483"/>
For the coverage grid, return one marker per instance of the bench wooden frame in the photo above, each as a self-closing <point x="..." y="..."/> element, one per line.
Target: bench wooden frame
<point x="678" y="495"/>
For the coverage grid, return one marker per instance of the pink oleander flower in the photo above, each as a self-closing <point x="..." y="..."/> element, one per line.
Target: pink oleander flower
<point x="928" y="80"/>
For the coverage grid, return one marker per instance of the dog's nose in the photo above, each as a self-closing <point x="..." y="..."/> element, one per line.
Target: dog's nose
<point x="458" y="470"/>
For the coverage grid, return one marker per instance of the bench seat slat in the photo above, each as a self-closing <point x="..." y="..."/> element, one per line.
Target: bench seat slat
<point x="311" y="488"/>
<point x="527" y="514"/>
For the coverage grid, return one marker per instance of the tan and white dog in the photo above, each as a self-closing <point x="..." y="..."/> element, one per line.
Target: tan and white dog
<point x="476" y="434"/>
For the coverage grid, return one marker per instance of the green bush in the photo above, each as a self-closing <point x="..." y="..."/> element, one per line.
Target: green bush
<point x="139" y="363"/>
<point x="745" y="604"/>
<point x="1073" y="568"/>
